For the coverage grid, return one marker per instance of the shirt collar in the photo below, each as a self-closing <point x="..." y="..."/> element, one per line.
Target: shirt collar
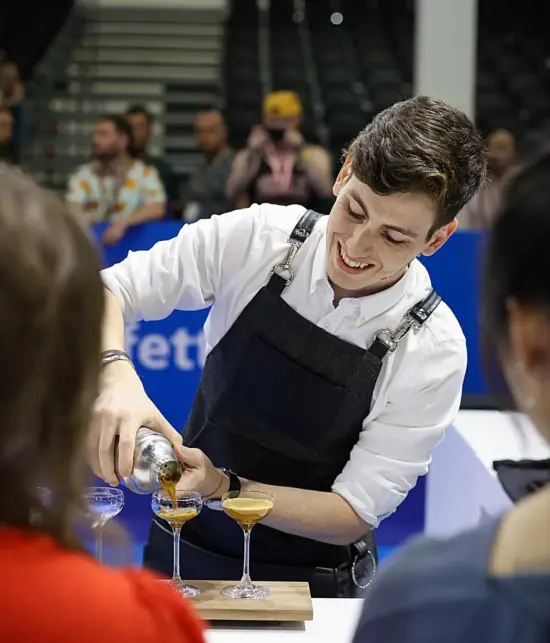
<point x="371" y="305"/>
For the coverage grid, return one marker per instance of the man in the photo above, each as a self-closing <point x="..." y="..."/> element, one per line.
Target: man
<point x="204" y="195"/>
<point x="502" y="157"/>
<point x="141" y="121"/>
<point x="115" y="186"/>
<point x="278" y="166"/>
<point x="6" y="134"/>
<point x="332" y="371"/>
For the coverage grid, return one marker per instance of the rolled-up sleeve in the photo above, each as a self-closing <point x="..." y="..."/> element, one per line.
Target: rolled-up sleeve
<point x="182" y="273"/>
<point x="395" y="448"/>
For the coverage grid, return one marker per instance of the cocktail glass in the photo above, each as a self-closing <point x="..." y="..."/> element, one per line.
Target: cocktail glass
<point x="247" y="508"/>
<point x="104" y="503"/>
<point x="177" y="510"/>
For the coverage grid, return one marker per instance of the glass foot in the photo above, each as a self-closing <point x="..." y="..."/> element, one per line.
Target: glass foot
<point x="189" y="591"/>
<point x="253" y="592"/>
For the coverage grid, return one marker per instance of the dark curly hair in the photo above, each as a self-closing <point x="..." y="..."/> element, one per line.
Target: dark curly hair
<point x="422" y="146"/>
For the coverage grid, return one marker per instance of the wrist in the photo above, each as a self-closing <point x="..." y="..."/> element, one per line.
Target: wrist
<point x="117" y="370"/>
<point x="220" y="487"/>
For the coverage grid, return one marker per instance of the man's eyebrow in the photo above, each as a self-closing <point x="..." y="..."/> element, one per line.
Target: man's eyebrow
<point x="404" y="231"/>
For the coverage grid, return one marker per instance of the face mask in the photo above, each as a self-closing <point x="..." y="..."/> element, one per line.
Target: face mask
<point x="276" y="134"/>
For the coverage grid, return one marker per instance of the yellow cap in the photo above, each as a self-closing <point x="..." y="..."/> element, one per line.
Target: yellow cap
<point x="283" y="104"/>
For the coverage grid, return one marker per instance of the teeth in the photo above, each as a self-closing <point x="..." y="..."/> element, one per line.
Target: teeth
<point x="349" y="262"/>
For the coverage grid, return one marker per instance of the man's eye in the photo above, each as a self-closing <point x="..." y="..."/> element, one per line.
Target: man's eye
<point x="393" y="241"/>
<point x="355" y="215"/>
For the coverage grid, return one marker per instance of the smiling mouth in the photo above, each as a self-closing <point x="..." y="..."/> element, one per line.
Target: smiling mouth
<point x="348" y="265"/>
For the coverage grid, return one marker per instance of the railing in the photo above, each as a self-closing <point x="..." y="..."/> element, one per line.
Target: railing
<point x="264" y="47"/>
<point x="311" y="71"/>
<point x="50" y="79"/>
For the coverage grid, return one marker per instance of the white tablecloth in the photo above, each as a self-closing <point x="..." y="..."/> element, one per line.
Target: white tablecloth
<point x="334" y="621"/>
<point x="462" y="486"/>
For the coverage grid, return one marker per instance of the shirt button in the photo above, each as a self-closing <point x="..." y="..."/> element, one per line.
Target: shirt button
<point x="325" y="327"/>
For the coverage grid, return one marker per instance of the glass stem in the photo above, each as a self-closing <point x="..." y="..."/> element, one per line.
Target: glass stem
<point x="245" y="580"/>
<point x="99" y="543"/>
<point x="176" y="578"/>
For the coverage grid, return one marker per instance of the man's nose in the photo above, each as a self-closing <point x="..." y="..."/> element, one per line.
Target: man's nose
<point x="360" y="243"/>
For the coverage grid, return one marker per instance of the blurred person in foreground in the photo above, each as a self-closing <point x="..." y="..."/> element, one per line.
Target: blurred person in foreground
<point x="502" y="156"/>
<point x="490" y="584"/>
<point x="278" y="166"/>
<point x="204" y="194"/>
<point x="306" y="392"/>
<point x="51" y="300"/>
<point x="114" y="186"/>
<point x="141" y="121"/>
<point x="6" y="134"/>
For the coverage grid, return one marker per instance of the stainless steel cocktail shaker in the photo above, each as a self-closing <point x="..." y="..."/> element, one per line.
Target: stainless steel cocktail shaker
<point x="154" y="458"/>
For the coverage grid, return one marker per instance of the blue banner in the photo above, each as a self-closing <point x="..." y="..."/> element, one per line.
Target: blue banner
<point x="169" y="354"/>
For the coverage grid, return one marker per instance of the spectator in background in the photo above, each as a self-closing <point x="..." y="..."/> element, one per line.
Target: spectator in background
<point x="6" y="133"/>
<point x="141" y="122"/>
<point x="204" y="194"/>
<point x="502" y="157"/>
<point x="278" y="166"/>
<point x="12" y="96"/>
<point x="114" y="186"/>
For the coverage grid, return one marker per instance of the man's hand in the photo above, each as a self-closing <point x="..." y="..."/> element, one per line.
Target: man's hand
<point x="200" y="475"/>
<point x="115" y="232"/>
<point x="257" y="139"/>
<point x="293" y="139"/>
<point x="121" y="409"/>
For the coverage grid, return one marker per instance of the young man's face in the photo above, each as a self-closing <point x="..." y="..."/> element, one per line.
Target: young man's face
<point x="371" y="239"/>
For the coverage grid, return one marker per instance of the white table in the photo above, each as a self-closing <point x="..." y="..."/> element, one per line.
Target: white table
<point x="334" y="621"/>
<point x="462" y="486"/>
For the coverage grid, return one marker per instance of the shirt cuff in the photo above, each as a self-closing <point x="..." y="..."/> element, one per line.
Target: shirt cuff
<point x="357" y="505"/>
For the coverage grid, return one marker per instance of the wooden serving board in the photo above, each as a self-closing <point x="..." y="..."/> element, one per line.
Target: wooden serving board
<point x="287" y="602"/>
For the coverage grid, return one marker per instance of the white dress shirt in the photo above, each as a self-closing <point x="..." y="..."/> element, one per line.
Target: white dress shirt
<point x="223" y="261"/>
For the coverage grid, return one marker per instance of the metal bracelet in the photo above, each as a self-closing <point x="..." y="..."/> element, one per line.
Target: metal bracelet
<point x="107" y="357"/>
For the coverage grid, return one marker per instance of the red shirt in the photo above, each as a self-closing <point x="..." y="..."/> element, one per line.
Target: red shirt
<point x="48" y="594"/>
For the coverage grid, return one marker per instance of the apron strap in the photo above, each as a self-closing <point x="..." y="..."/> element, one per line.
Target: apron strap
<point x="387" y="341"/>
<point x="281" y="273"/>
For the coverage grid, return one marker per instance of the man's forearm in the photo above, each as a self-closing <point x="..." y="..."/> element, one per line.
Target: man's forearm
<point x="319" y="515"/>
<point x="113" y="324"/>
<point x="150" y="212"/>
<point x="79" y="212"/>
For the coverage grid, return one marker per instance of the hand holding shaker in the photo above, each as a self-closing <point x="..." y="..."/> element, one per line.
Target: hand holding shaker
<point x="154" y="462"/>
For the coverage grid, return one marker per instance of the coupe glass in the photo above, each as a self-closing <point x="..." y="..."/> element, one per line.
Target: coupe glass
<point x="104" y="503"/>
<point x="248" y="508"/>
<point x="177" y="510"/>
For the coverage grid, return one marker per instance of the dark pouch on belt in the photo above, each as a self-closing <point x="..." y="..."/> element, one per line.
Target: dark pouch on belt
<point x="522" y="477"/>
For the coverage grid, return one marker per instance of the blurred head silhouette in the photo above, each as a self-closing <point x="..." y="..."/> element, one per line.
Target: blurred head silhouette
<point x="516" y="298"/>
<point x="51" y="306"/>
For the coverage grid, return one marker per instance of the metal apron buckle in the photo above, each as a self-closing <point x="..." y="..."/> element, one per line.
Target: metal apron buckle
<point x="354" y="573"/>
<point x="391" y="340"/>
<point x="284" y="265"/>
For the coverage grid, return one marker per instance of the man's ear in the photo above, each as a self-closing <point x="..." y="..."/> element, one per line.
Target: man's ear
<point x="439" y="238"/>
<point x="343" y="176"/>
